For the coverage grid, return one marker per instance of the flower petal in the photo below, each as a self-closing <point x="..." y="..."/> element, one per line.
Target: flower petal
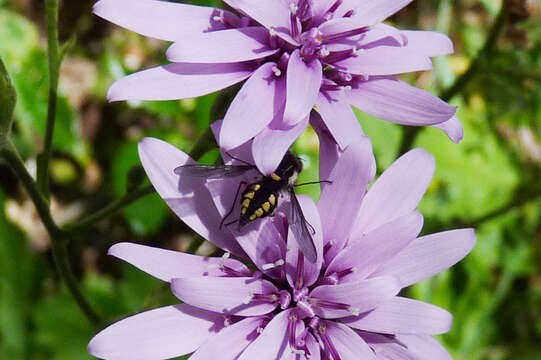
<point x="397" y="191"/>
<point x="167" y="264"/>
<point x="311" y="270"/>
<point x="228" y="295"/>
<point x="387" y="347"/>
<point x="429" y="43"/>
<point x="395" y="101"/>
<point x="224" y="46"/>
<point x="269" y="13"/>
<point x="401" y="315"/>
<point x="361" y="296"/>
<point x="348" y="343"/>
<point x="161" y="19"/>
<point x="339" y="118"/>
<point x="270" y="146"/>
<point x="259" y="100"/>
<point x="384" y="60"/>
<point x="367" y="253"/>
<point x="374" y="11"/>
<point x="429" y="255"/>
<point x="161" y="333"/>
<point x="303" y="83"/>
<point x="230" y="341"/>
<point x="329" y="152"/>
<point x="178" y="81"/>
<point x="452" y="128"/>
<point x="265" y="244"/>
<point x="272" y="342"/>
<point x="340" y="202"/>
<point x="424" y="347"/>
<point x="189" y="198"/>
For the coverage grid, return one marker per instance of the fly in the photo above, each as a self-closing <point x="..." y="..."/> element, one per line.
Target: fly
<point x="260" y="198"/>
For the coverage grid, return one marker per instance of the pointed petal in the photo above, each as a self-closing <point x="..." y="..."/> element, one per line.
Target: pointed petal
<point x="178" y="81"/>
<point x="429" y="43"/>
<point x="367" y="253"/>
<point x="189" y="198"/>
<point x="386" y="347"/>
<point x="265" y="244"/>
<point x="429" y="255"/>
<point x="270" y="146"/>
<point x="176" y="21"/>
<point x="452" y="128"/>
<point x="259" y="100"/>
<point x="340" y="202"/>
<point x="226" y="295"/>
<point x="167" y="264"/>
<point x="374" y="11"/>
<point x="361" y="295"/>
<point x="403" y="316"/>
<point x="310" y="270"/>
<point x="329" y="152"/>
<point x="224" y="46"/>
<point x="271" y="14"/>
<point x="272" y="342"/>
<point x="385" y="60"/>
<point x="348" y="343"/>
<point x="230" y="341"/>
<point x="339" y="118"/>
<point x="424" y="347"/>
<point x="395" y="101"/>
<point x="397" y="191"/>
<point x="303" y="82"/>
<point x="161" y="333"/>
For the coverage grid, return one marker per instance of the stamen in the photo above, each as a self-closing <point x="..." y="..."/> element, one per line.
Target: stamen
<point x="354" y="310"/>
<point x="276" y="71"/>
<point x="269" y="298"/>
<point x="334" y="305"/>
<point x="285" y="299"/>
<point x="349" y="13"/>
<point x="273" y="39"/>
<point x="248" y="299"/>
<point x="335" y="6"/>
<point x="329" y="346"/>
<point x="345" y="34"/>
<point x="293" y="8"/>
<point x="324" y="52"/>
<point x="227" y="321"/>
<point x="299" y="281"/>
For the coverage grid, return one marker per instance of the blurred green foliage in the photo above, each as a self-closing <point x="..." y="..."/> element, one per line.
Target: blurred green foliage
<point x="494" y="294"/>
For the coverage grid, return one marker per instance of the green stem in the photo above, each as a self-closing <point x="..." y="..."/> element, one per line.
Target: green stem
<point x="51" y="10"/>
<point x="58" y="238"/>
<point x="410" y="133"/>
<point x="109" y="210"/>
<point x="60" y="255"/>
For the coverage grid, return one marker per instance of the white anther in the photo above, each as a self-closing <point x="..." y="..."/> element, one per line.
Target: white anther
<point x="293" y="8"/>
<point x="274" y="298"/>
<point x="347" y="88"/>
<point x="354" y="311"/>
<point x="268" y="266"/>
<point x="224" y="258"/>
<point x="279" y="262"/>
<point x="297" y="351"/>
<point x="248" y="299"/>
<point x="227" y="321"/>
<point x="260" y="330"/>
<point x="272" y="32"/>
<point x="277" y="72"/>
<point x="353" y="269"/>
<point x="324" y="52"/>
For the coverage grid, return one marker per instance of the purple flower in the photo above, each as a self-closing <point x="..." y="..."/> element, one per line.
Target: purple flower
<point x="344" y="306"/>
<point x="296" y="54"/>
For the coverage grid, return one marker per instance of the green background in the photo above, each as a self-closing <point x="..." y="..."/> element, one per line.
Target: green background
<point x="491" y="180"/>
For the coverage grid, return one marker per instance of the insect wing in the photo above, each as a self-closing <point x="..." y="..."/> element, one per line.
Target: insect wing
<point x="299" y="227"/>
<point x="212" y="171"/>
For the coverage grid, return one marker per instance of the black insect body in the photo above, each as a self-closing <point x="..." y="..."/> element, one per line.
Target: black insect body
<point x="260" y="199"/>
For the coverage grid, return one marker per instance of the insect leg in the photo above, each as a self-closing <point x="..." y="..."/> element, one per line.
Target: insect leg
<point x="241" y="184"/>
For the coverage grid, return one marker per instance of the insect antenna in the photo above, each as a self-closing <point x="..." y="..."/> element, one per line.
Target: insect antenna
<point x="242" y="183"/>
<point x="314" y="182"/>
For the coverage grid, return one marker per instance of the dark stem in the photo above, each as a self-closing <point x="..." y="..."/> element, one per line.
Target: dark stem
<point x="51" y="10"/>
<point x="482" y="58"/>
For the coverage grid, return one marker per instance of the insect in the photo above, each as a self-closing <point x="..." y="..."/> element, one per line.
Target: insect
<point x="260" y="198"/>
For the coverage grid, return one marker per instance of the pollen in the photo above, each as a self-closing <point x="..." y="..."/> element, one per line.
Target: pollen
<point x="259" y="212"/>
<point x="249" y="195"/>
<point x="246" y="203"/>
<point x="266" y="206"/>
<point x="275" y="177"/>
<point x="272" y="199"/>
